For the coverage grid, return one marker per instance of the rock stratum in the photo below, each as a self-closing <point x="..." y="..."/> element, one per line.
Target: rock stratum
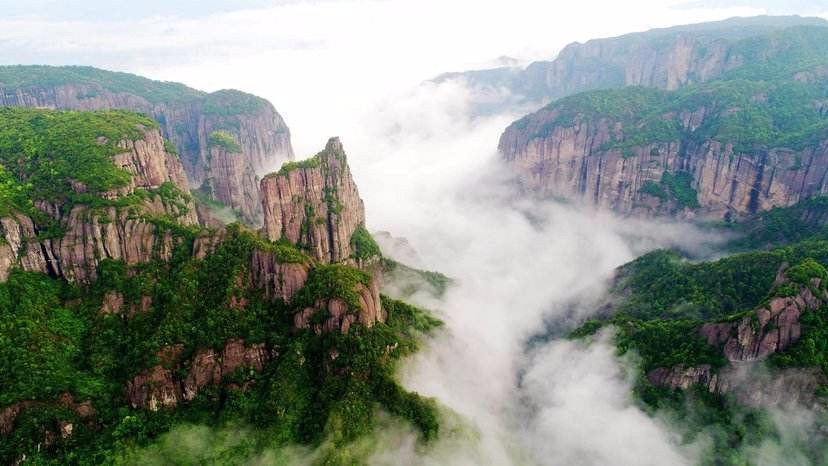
<point x="130" y="220"/>
<point x="752" y="139"/>
<point x="226" y="139"/>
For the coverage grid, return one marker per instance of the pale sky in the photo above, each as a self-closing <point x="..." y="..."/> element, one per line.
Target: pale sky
<point x="322" y="62"/>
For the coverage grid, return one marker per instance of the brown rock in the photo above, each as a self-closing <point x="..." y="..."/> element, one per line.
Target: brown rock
<point x="571" y="160"/>
<point x="316" y="206"/>
<point x="340" y="316"/>
<point x="209" y="368"/>
<point x="153" y="390"/>
<point x="112" y="303"/>
<point x="278" y="280"/>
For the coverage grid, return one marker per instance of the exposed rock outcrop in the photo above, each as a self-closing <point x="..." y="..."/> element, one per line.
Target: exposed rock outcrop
<point x="187" y="117"/>
<point x="766" y="331"/>
<point x="277" y="279"/>
<point x="749" y="384"/>
<point x="9" y="414"/>
<point x="159" y="388"/>
<point x="314" y="204"/>
<point x="340" y="316"/>
<point x="91" y="234"/>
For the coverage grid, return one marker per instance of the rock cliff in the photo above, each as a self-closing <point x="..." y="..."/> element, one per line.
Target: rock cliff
<point x="314" y="204"/>
<point x="187" y="117"/>
<point x="131" y="222"/>
<point x="160" y="386"/>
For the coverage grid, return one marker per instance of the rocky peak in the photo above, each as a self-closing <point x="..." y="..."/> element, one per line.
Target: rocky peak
<point x="314" y="204"/>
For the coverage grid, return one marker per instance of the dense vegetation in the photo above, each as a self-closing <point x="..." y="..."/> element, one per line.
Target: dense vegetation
<point x="54" y="339"/>
<point x="44" y="153"/>
<point x="225" y="141"/>
<point x="661" y="299"/>
<point x="782" y="225"/>
<point x="229" y="102"/>
<point x="363" y="245"/>
<point x="289" y="166"/>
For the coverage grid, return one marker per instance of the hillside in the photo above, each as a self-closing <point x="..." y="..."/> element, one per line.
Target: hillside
<point x="666" y="58"/>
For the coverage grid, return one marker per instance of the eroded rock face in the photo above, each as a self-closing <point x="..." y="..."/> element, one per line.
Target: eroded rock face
<point x="663" y="58"/>
<point x="9" y="414"/>
<point x="749" y="384"/>
<point x="748" y="341"/>
<point x="158" y="387"/>
<point x="574" y="160"/>
<point x="315" y="206"/>
<point x="230" y="178"/>
<point x="278" y="280"/>
<point x="91" y="235"/>
<point x="768" y="330"/>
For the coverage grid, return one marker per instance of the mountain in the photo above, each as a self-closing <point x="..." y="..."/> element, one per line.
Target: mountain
<point x="751" y="139"/>
<point x="125" y="313"/>
<point x="666" y="58"/>
<point x="226" y="139"/>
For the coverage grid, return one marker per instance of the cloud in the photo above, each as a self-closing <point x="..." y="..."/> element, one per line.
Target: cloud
<point x="430" y="173"/>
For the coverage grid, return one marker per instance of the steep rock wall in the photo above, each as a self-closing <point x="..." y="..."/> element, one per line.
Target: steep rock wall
<point x="581" y="159"/>
<point x="314" y="204"/>
<point x="91" y="234"/>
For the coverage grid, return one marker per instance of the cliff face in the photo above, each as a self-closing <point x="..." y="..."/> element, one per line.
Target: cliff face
<point x="188" y="118"/>
<point x="314" y="204"/>
<point x="160" y="388"/>
<point x="90" y="233"/>
<point x="664" y="58"/>
<point x="573" y="162"/>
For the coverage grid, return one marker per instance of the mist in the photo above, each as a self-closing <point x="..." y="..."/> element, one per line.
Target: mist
<point x="430" y="173"/>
